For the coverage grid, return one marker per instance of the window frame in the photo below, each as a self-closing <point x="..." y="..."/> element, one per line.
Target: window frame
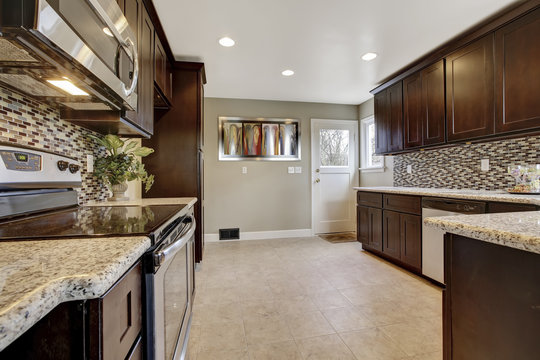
<point x="364" y="147"/>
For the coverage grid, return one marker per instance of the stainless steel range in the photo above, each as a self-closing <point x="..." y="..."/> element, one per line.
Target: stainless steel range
<point x="37" y="201"/>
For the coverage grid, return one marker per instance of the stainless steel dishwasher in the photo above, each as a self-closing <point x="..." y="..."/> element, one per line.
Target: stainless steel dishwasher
<point x="433" y="239"/>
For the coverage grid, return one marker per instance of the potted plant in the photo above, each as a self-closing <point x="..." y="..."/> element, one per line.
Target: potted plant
<point x="121" y="165"/>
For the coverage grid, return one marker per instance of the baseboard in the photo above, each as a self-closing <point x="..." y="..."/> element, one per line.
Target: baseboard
<point x="263" y="235"/>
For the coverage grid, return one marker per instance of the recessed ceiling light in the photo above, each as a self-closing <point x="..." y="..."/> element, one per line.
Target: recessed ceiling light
<point x="369" y="56"/>
<point x="226" y="41"/>
<point x="108" y="31"/>
<point x="68" y="87"/>
<point x="287" y="73"/>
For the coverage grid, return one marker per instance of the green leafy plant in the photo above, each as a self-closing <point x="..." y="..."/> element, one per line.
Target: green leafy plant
<point x="121" y="164"/>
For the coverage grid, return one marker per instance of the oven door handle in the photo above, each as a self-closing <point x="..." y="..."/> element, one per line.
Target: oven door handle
<point x="163" y="255"/>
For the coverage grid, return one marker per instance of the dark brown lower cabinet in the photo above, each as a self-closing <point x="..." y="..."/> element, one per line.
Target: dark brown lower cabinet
<point x="491" y="302"/>
<point x="391" y="225"/>
<point x="402" y="238"/>
<point x="369" y="227"/>
<point x="105" y="328"/>
<point x="411" y="240"/>
<point x="391" y="234"/>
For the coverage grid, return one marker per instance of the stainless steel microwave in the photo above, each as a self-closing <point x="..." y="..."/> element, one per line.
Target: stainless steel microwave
<point x="78" y="54"/>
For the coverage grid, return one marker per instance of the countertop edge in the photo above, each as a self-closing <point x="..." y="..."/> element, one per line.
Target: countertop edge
<point x="22" y="315"/>
<point x="454" y="194"/>
<point x="510" y="239"/>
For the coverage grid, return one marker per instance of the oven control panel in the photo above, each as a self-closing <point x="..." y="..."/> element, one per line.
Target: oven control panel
<point x="21" y="161"/>
<point x="26" y="168"/>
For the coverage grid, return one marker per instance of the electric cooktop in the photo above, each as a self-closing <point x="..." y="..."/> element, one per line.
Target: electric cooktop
<point x="90" y="221"/>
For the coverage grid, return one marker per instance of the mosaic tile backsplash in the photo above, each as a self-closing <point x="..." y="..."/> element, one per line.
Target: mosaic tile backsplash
<point x="27" y="122"/>
<point x="458" y="167"/>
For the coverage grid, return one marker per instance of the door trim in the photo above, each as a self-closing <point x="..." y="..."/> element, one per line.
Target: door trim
<point x="317" y="121"/>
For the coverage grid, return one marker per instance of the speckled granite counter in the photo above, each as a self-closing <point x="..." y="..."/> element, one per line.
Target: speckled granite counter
<point x="457" y="194"/>
<point x="520" y="230"/>
<point x="189" y="201"/>
<point x="36" y="276"/>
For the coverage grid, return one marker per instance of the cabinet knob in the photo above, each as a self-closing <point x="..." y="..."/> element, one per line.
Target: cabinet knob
<point x="318" y="181"/>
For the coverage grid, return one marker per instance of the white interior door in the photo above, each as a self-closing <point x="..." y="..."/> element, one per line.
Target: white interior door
<point x="334" y="164"/>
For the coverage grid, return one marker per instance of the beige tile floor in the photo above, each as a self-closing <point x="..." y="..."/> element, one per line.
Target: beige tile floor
<point x="305" y="298"/>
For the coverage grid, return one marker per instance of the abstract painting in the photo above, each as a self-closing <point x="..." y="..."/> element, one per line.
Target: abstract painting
<point x="288" y="139"/>
<point x="270" y="139"/>
<point x="258" y="138"/>
<point x="252" y="139"/>
<point x="232" y="138"/>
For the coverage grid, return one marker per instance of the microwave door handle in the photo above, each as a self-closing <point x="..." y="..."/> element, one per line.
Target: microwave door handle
<point x="161" y="256"/>
<point x="127" y="44"/>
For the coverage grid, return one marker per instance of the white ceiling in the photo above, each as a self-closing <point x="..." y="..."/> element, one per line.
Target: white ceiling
<point x="321" y="40"/>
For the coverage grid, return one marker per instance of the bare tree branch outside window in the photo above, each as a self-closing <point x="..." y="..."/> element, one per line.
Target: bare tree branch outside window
<point x="334" y="147"/>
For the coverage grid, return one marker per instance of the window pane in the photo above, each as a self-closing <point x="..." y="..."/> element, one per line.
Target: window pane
<point x="334" y="147"/>
<point x="372" y="160"/>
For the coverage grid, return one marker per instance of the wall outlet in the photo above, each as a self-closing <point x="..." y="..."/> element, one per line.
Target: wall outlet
<point x="244" y="169"/>
<point x="290" y="169"/>
<point x="409" y="169"/>
<point x="90" y="163"/>
<point x="484" y="164"/>
<point x="298" y="169"/>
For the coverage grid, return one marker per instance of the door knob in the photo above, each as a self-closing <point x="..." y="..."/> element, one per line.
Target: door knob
<point x="317" y="170"/>
<point x="318" y="180"/>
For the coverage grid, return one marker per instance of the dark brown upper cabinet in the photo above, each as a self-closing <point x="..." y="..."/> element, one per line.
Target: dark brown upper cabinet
<point x="145" y="110"/>
<point x="141" y="24"/>
<point x="389" y="119"/>
<point x="395" y="117"/>
<point x="412" y="111"/>
<point x="162" y="76"/>
<point x="517" y="74"/>
<point x="381" y="125"/>
<point x="470" y="91"/>
<point x="433" y="109"/>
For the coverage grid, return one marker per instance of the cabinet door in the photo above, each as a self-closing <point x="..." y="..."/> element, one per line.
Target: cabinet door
<point x="411" y="240"/>
<point x="375" y="229"/>
<point x="412" y="111"/>
<point x="362" y="225"/>
<point x="391" y="234"/>
<point x="469" y="91"/>
<point x="517" y="74"/>
<point x="146" y="74"/>
<point x="433" y="110"/>
<point x="381" y="125"/>
<point x="160" y="66"/>
<point x="395" y="117"/>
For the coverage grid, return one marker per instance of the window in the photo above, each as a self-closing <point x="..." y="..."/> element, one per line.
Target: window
<point x="334" y="147"/>
<point x="369" y="160"/>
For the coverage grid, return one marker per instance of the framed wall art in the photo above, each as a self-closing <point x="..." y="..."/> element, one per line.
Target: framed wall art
<point x="266" y="139"/>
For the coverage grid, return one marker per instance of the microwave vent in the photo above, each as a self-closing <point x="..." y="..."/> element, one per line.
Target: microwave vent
<point x="10" y="52"/>
<point x="29" y="85"/>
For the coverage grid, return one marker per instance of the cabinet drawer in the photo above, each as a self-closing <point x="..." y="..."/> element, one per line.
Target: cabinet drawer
<point x="403" y="203"/>
<point x="369" y="199"/>
<point x="121" y="315"/>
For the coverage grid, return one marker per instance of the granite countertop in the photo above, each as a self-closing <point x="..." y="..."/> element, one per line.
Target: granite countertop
<point x="189" y="201"/>
<point x="36" y="276"/>
<point x="519" y="230"/>
<point x="499" y="195"/>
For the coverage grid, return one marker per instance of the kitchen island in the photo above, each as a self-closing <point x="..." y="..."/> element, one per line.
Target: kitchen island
<point x="491" y="304"/>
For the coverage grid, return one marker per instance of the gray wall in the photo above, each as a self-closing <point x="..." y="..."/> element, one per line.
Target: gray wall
<point x="267" y="198"/>
<point x="385" y="178"/>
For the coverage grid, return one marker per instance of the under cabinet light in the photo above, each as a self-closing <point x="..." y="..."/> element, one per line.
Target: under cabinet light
<point x="68" y="87"/>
